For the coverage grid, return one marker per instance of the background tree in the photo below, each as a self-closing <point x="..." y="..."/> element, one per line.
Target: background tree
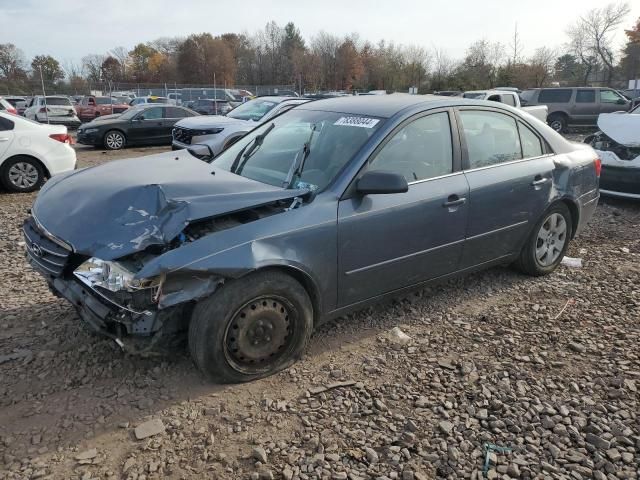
<point x="12" y="62"/>
<point x="111" y="69"/>
<point x="630" y="63"/>
<point x="92" y="66"/>
<point x="591" y="37"/>
<point x="49" y="67"/>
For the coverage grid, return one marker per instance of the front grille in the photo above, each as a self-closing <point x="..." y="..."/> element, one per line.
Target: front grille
<point x="182" y="135"/>
<point x="43" y="253"/>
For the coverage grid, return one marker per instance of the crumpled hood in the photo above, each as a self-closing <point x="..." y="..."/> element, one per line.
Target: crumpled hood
<point x="209" y="121"/>
<point x="124" y="206"/>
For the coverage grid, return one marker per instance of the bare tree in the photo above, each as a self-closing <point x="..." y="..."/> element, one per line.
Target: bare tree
<point x="541" y="65"/>
<point x="443" y="67"/>
<point x="92" y="65"/>
<point x="122" y="55"/>
<point x="596" y="29"/>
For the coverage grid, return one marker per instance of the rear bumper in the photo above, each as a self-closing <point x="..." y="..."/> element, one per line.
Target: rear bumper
<point x="620" y="181"/>
<point x="66" y="121"/>
<point x="61" y="159"/>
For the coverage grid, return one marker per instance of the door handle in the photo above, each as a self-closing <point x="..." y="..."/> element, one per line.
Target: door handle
<point x="539" y="181"/>
<point x="454" y="201"/>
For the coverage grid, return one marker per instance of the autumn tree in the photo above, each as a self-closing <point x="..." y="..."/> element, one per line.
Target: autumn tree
<point x="111" y="69"/>
<point x="12" y="62"/>
<point x="630" y="63"/>
<point x="47" y="67"/>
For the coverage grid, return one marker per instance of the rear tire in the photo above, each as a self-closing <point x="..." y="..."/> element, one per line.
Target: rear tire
<point x="251" y="328"/>
<point x="114" y="140"/>
<point x="22" y="174"/>
<point x="558" y="122"/>
<point x="548" y="242"/>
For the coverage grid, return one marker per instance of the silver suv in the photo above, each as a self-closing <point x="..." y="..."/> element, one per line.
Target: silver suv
<point x="218" y="132"/>
<point x="575" y="106"/>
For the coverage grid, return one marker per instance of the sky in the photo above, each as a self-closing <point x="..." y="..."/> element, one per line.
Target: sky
<point x="70" y="29"/>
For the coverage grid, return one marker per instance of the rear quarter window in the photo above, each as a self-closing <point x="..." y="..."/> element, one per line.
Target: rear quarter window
<point x="555" y="95"/>
<point x="6" y="124"/>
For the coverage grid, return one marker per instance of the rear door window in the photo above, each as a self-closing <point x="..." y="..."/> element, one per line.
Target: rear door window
<point x="585" y="96"/>
<point x="492" y="138"/>
<point x="6" y="124"/>
<point x="173" y="112"/>
<point x="555" y="95"/>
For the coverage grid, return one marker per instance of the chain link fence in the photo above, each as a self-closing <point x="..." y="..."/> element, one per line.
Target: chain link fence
<point x="187" y="91"/>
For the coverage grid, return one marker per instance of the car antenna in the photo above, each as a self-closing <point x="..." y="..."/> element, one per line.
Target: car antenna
<point x="44" y="94"/>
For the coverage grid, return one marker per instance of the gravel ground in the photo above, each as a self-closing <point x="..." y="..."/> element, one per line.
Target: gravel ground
<point x="539" y="377"/>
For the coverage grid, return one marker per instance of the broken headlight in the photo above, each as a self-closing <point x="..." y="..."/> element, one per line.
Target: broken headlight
<point x="113" y="276"/>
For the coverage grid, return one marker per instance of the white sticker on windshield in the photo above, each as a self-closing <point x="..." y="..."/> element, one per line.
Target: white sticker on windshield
<point x="362" y="122"/>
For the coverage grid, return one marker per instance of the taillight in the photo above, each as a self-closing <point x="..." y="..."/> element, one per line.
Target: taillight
<point x="597" y="163"/>
<point x="12" y="110"/>
<point x="62" y="137"/>
<point x="43" y="110"/>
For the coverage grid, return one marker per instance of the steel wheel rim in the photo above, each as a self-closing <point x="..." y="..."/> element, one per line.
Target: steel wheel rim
<point x="556" y="125"/>
<point x="260" y="334"/>
<point x="23" y="175"/>
<point x="551" y="239"/>
<point x="115" y="141"/>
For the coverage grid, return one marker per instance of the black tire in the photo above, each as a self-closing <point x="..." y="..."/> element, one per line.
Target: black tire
<point x="114" y="140"/>
<point x="22" y="174"/>
<point x="558" y="122"/>
<point x="528" y="262"/>
<point x="269" y="309"/>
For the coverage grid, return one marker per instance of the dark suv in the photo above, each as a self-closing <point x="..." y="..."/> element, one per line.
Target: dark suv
<point x="575" y="106"/>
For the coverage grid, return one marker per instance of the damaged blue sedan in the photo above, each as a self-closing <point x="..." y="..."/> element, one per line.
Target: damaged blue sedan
<point x="315" y="213"/>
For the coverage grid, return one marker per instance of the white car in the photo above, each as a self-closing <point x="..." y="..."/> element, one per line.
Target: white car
<point x="52" y="109"/>
<point x="508" y="97"/>
<point x="31" y="152"/>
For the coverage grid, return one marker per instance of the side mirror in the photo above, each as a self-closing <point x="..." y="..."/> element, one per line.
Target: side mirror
<point x="381" y="182"/>
<point x="201" y="151"/>
<point x="621" y="101"/>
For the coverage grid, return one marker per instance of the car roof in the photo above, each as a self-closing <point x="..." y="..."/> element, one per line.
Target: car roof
<point x="383" y="106"/>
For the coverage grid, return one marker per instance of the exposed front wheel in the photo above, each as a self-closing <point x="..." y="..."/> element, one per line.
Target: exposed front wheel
<point x="114" y="140"/>
<point x="22" y="174"/>
<point x="251" y="328"/>
<point x="548" y="242"/>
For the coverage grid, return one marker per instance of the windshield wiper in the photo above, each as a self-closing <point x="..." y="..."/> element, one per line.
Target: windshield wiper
<point x="298" y="163"/>
<point x="236" y="166"/>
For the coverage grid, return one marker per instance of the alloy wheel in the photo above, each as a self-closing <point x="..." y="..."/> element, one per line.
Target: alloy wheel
<point x="114" y="141"/>
<point x="551" y="239"/>
<point x="23" y="175"/>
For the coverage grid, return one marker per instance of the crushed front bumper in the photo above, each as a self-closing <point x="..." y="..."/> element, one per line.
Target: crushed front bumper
<point x="56" y="264"/>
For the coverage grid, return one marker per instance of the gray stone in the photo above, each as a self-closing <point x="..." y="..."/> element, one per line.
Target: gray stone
<point x="445" y="427"/>
<point x="597" y="441"/>
<point x="149" y="429"/>
<point x="259" y="454"/>
<point x="372" y="455"/>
